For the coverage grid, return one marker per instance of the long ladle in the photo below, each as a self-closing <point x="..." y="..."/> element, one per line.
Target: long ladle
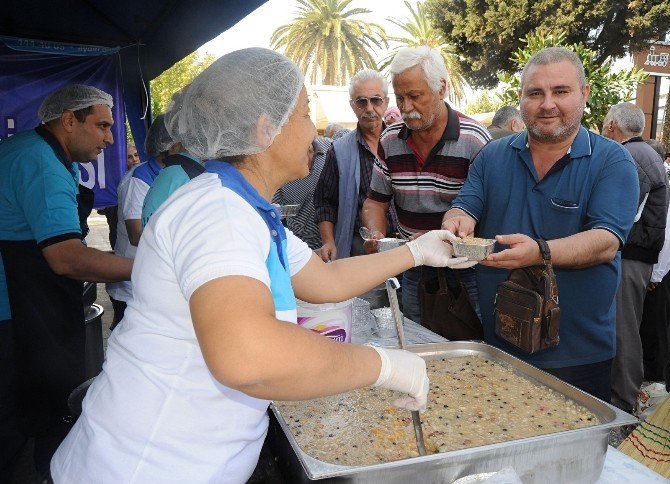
<point x="392" y="286"/>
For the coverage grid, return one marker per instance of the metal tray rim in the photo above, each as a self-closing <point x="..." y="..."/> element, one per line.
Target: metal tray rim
<point x="468" y="347"/>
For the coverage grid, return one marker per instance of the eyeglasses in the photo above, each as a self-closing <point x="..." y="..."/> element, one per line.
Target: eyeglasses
<point x="362" y="102"/>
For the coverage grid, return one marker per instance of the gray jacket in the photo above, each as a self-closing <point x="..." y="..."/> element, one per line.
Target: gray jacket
<point x="646" y="238"/>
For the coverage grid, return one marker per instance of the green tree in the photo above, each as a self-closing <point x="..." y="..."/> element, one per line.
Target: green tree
<point x="420" y="32"/>
<point x="486" y="102"/>
<point x="486" y="33"/>
<point x="176" y="77"/>
<point x="327" y="42"/>
<point x="607" y="87"/>
<point x="665" y="130"/>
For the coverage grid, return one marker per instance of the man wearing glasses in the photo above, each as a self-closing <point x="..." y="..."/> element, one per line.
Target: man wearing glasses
<point x="345" y="179"/>
<point x="423" y="163"/>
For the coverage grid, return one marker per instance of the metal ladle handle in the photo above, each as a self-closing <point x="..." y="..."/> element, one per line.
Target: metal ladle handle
<point x="392" y="286"/>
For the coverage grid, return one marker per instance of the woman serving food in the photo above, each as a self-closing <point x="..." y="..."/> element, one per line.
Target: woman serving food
<point x="210" y="335"/>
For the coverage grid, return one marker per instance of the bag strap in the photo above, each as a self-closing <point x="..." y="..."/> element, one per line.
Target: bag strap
<point x="544" y="251"/>
<point x="442" y="279"/>
<point x="551" y="287"/>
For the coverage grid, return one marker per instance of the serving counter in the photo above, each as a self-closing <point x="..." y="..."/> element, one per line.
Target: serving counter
<point x="571" y="456"/>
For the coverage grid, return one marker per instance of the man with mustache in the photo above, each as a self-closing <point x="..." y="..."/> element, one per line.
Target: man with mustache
<point x="572" y="188"/>
<point x="423" y="163"/>
<point x="345" y="179"/>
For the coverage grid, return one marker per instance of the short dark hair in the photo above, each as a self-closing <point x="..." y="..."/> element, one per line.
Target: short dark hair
<point x="233" y="160"/>
<point x="81" y="114"/>
<point x="552" y="55"/>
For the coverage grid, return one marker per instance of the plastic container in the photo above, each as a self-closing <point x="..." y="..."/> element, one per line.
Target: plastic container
<point x="332" y="320"/>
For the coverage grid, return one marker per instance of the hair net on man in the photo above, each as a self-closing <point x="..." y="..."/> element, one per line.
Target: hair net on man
<point x="72" y="97"/>
<point x="221" y="108"/>
<point x="158" y="139"/>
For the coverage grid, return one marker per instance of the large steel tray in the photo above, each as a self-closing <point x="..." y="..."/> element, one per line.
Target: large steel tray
<point x="572" y="456"/>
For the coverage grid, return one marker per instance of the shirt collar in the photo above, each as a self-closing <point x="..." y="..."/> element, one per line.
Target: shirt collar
<point x="233" y="179"/>
<point x="55" y="145"/>
<point x="188" y="155"/>
<point x="633" y="139"/>
<point x="155" y="166"/>
<point x="581" y="145"/>
<point x="451" y="132"/>
<point x="359" y="134"/>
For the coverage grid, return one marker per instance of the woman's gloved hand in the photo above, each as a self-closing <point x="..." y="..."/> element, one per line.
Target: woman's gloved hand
<point x="434" y="249"/>
<point x="405" y="372"/>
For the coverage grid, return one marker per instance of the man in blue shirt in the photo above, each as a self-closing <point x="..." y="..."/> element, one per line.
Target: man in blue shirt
<point x="573" y="188"/>
<point x="42" y="335"/>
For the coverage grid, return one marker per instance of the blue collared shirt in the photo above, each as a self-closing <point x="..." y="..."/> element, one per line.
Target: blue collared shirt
<point x="38" y="195"/>
<point x="594" y="186"/>
<point x="277" y="261"/>
<point x="163" y="185"/>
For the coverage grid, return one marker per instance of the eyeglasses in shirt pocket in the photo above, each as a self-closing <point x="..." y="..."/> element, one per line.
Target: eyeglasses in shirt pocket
<point x="566" y="205"/>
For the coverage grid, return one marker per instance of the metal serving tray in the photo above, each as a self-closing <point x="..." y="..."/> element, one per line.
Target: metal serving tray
<point x="572" y="456"/>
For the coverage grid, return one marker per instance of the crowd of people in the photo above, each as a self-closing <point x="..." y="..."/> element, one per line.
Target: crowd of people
<point x="204" y="330"/>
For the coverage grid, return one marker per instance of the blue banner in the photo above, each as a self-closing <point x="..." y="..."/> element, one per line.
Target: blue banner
<point x="30" y="70"/>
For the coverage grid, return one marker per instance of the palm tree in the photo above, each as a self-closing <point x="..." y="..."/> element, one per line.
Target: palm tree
<point x="325" y="40"/>
<point x="421" y="32"/>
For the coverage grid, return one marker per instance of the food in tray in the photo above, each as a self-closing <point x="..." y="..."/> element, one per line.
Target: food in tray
<point x="474" y="248"/>
<point x="476" y="241"/>
<point x="473" y="401"/>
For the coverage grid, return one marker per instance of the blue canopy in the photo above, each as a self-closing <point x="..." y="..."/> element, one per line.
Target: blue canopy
<point x="152" y="34"/>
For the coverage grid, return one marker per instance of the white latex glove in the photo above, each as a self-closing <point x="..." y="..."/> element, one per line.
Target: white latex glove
<point x="434" y="249"/>
<point x="404" y="372"/>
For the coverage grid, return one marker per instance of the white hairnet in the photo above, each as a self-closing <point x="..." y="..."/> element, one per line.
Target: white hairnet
<point x="221" y="107"/>
<point x="158" y="139"/>
<point x="72" y="97"/>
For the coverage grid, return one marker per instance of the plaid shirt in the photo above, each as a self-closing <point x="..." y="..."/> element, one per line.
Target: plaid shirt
<point x="300" y="192"/>
<point x="422" y="190"/>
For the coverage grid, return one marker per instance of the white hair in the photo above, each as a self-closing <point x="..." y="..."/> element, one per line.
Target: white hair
<point x="428" y="58"/>
<point x="368" y="75"/>
<point x="629" y="118"/>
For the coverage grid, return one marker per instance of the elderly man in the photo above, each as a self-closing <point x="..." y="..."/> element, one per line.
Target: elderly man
<point x="506" y="121"/>
<point x="570" y="187"/>
<point x="345" y="178"/>
<point x="332" y="129"/>
<point x="45" y="260"/>
<point x="424" y="162"/>
<point x="624" y="123"/>
<point x="133" y="156"/>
